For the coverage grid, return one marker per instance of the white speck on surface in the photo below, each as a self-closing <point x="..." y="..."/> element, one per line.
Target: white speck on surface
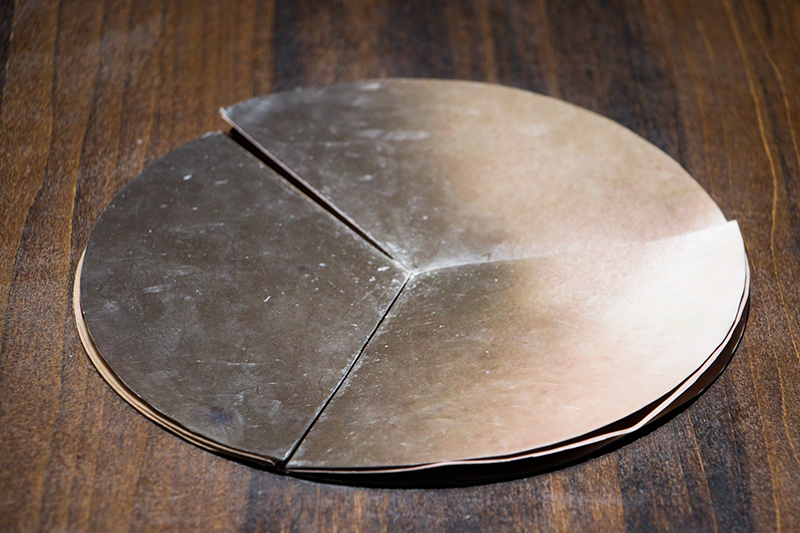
<point x="139" y="142"/>
<point x="366" y="177"/>
<point x="154" y="289"/>
<point x="187" y="177"/>
<point x="163" y="206"/>
<point x="220" y="182"/>
<point x="381" y="269"/>
<point x="267" y="299"/>
<point x="322" y="264"/>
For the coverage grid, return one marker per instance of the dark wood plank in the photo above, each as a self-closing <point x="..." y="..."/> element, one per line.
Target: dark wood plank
<point x="94" y="91"/>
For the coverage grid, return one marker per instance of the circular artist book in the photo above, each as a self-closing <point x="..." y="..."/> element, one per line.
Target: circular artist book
<point x="401" y="280"/>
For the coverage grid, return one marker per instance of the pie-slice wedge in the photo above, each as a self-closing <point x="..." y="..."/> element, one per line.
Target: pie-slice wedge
<point x="441" y="173"/>
<point x="226" y="303"/>
<point x="502" y="358"/>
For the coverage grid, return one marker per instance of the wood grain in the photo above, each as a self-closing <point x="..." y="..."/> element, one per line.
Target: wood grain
<point x="94" y="91"/>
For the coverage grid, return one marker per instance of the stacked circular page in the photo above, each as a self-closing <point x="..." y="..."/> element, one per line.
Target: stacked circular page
<point x="393" y="276"/>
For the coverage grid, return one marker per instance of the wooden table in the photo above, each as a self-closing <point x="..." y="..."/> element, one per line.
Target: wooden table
<point x="94" y="91"/>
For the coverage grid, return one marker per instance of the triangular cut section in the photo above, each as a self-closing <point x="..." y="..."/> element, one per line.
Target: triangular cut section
<point x="500" y="358"/>
<point x="440" y="173"/>
<point x="227" y="302"/>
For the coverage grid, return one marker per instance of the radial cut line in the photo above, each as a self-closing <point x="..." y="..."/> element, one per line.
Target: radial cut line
<point x="346" y="374"/>
<point x="259" y="152"/>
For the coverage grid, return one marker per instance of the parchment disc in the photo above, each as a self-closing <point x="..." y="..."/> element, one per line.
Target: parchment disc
<point x="467" y="274"/>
